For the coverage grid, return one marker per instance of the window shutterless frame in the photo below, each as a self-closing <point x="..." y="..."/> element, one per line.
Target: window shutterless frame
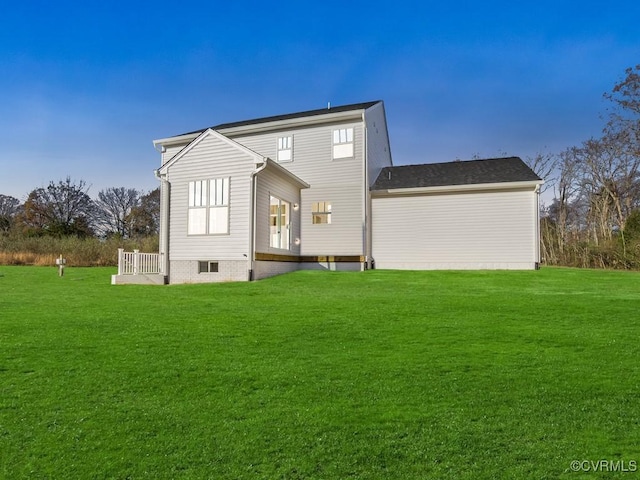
<point x="320" y="212"/>
<point x="285" y="149"/>
<point x="343" y="143"/>
<point x="208" y="207"/>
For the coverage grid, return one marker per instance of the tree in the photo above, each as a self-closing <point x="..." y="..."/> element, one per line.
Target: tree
<point x="114" y="207"/>
<point x="9" y="209"/>
<point x="544" y="165"/>
<point x="60" y="209"/>
<point x="145" y="218"/>
<point x="626" y="93"/>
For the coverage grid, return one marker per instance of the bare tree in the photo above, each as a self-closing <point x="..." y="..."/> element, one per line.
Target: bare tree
<point x="544" y="165"/>
<point x="62" y="208"/>
<point x="114" y="207"/>
<point x="626" y="93"/>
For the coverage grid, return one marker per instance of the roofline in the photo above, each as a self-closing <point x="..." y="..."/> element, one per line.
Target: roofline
<point x="286" y="173"/>
<point x="533" y="184"/>
<point x="278" y="122"/>
<point x="293" y="122"/>
<point x="199" y="138"/>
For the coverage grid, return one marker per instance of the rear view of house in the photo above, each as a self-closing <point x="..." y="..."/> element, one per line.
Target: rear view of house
<point x="318" y="190"/>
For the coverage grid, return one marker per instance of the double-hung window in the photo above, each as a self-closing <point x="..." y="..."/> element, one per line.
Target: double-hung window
<point x="208" y="207"/>
<point x="285" y="149"/>
<point x="343" y="143"/>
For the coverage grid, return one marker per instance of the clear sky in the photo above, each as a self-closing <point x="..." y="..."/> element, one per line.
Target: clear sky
<point x="86" y="86"/>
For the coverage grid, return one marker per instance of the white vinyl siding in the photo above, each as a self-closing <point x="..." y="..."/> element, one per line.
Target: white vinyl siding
<point x="197" y="164"/>
<point x="344" y="235"/>
<point x="342" y="182"/>
<point x="271" y="185"/>
<point x="378" y="148"/>
<point x="456" y="231"/>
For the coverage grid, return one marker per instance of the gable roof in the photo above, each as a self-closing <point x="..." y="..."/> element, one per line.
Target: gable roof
<point x="290" y="116"/>
<point x="470" y="172"/>
<point x="206" y="133"/>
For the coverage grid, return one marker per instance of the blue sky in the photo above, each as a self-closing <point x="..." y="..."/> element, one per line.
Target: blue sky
<point x="86" y="86"/>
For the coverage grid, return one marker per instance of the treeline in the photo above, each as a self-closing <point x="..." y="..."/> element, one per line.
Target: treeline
<point x="594" y="218"/>
<point x="63" y="219"/>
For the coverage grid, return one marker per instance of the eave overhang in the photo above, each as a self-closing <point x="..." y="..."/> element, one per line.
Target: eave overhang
<point x="467" y="188"/>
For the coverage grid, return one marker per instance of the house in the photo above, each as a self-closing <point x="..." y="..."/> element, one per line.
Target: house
<point x="318" y="190"/>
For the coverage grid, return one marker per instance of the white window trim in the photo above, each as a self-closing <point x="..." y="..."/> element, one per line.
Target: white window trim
<point x="284" y="153"/>
<point x="343" y="143"/>
<point x="208" y="206"/>
<point x="286" y="227"/>
<point x="325" y="211"/>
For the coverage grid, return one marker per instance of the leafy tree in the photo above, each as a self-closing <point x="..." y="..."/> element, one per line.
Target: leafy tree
<point x="60" y="209"/>
<point x="114" y="207"/>
<point x="9" y="209"/>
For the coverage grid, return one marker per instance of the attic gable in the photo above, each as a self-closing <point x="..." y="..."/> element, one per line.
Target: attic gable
<point x="208" y="134"/>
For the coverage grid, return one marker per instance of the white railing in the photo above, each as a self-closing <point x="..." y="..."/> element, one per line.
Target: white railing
<point x="136" y="263"/>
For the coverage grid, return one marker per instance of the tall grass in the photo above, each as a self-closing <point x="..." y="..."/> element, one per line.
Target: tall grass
<point x="79" y="252"/>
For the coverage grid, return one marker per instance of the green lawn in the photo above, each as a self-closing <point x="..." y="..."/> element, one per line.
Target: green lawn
<point x="381" y="374"/>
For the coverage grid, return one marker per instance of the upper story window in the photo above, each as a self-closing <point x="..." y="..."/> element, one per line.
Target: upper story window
<point x="208" y="207"/>
<point x="321" y="212"/>
<point x="343" y="143"/>
<point x="285" y="149"/>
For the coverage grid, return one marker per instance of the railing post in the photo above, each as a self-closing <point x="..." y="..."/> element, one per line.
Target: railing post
<point x="120" y="260"/>
<point x="135" y="261"/>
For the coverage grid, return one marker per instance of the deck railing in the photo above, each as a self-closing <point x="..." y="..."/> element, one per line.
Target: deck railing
<point x="137" y="263"/>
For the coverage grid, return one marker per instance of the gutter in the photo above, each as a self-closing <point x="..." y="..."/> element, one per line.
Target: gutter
<point x="459" y="188"/>
<point x="252" y="214"/>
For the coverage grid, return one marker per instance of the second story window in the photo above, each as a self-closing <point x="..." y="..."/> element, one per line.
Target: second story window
<point x="285" y="149"/>
<point x="343" y="143"/>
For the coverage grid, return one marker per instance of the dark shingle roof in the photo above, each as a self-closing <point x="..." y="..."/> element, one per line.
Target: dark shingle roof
<point x="288" y="116"/>
<point x="471" y="172"/>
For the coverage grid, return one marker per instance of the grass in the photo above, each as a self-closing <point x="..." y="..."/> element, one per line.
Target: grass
<point x="319" y="375"/>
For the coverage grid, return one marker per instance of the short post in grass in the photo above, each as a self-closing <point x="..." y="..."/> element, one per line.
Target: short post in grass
<point x="61" y="262"/>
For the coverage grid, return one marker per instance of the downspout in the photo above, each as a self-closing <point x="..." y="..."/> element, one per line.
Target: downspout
<point x="165" y="193"/>
<point x="365" y="199"/>
<point x="252" y="214"/>
<point x="537" y="217"/>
